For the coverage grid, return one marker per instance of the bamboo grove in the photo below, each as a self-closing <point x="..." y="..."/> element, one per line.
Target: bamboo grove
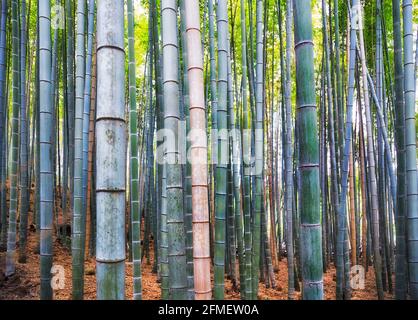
<point x="214" y="140"/>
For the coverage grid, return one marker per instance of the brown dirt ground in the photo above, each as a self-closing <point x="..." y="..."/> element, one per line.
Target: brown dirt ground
<point x="24" y="285"/>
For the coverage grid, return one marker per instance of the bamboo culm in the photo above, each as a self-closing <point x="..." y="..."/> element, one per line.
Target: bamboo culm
<point x="289" y="154"/>
<point x="198" y="147"/>
<point x="11" y="232"/>
<point x="45" y="151"/>
<point x="111" y="151"/>
<point x="175" y="221"/>
<point x="3" y="117"/>
<point x="310" y="225"/>
<point x="410" y="148"/>
<point x="259" y="148"/>
<point x="134" y="167"/>
<point x="78" y="223"/>
<point x="222" y="151"/>
<point x="24" y="194"/>
<point x="400" y="257"/>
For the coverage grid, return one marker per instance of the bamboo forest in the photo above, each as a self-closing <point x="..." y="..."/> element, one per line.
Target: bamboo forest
<point x="208" y="150"/>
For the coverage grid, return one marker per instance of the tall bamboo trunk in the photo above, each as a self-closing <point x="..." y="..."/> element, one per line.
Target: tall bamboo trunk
<point x="259" y="148"/>
<point x="133" y="167"/>
<point x="231" y="213"/>
<point x="90" y="232"/>
<point x="69" y="115"/>
<point x="3" y="117"/>
<point x="111" y="151"/>
<point x="308" y="157"/>
<point x="339" y="75"/>
<point x="289" y="155"/>
<point x="164" y="238"/>
<point x="222" y="153"/>
<point x="213" y="86"/>
<point x="86" y="117"/>
<point x="246" y="141"/>
<point x="198" y="147"/>
<point x="175" y="221"/>
<point x="11" y="232"/>
<point x="400" y="257"/>
<point x="235" y="148"/>
<point x="24" y="194"/>
<point x="69" y="9"/>
<point x="45" y="161"/>
<point x="410" y="148"/>
<point x="347" y="156"/>
<point x="78" y="225"/>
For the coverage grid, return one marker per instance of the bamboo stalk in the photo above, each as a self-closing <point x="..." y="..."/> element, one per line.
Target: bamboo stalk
<point x="134" y="170"/>
<point x="111" y="151"/>
<point x="11" y="231"/>
<point x="78" y="223"/>
<point x="201" y="244"/>
<point x="310" y="231"/>
<point x="45" y="151"/>
<point x="410" y="147"/>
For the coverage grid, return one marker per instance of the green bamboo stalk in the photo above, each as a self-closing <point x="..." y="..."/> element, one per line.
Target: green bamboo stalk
<point x="345" y="162"/>
<point x="150" y="122"/>
<point x="3" y="117"/>
<point x="222" y="155"/>
<point x="69" y="24"/>
<point x="134" y="169"/>
<point x="69" y="9"/>
<point x="164" y="238"/>
<point x="213" y="87"/>
<point x="175" y="221"/>
<point x="334" y="175"/>
<point x="283" y="126"/>
<point x="310" y="232"/>
<point x="91" y="189"/>
<point x="338" y="73"/>
<point x="231" y="213"/>
<point x="24" y="194"/>
<point x="259" y="148"/>
<point x="236" y="177"/>
<point x="400" y="258"/>
<point x="246" y="159"/>
<point x="65" y="135"/>
<point x="381" y="171"/>
<point x="323" y="173"/>
<point x="289" y="154"/>
<point x="160" y="114"/>
<point x="11" y="232"/>
<point x="87" y="99"/>
<point x="159" y="119"/>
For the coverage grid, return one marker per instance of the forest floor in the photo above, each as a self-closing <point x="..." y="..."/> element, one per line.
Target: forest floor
<point x="25" y="283"/>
